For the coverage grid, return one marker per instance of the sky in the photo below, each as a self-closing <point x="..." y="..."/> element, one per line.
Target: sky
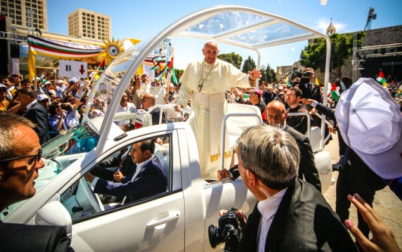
<point x="144" y="19"/>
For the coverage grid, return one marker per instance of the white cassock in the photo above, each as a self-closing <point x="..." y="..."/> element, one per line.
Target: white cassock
<point x="206" y="85"/>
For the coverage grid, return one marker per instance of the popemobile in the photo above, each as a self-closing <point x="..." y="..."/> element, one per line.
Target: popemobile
<point x="177" y="218"/>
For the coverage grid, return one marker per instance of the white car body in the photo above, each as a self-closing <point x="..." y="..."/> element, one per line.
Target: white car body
<point x="177" y="219"/>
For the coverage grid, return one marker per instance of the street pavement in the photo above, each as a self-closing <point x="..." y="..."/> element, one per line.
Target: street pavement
<point x="386" y="204"/>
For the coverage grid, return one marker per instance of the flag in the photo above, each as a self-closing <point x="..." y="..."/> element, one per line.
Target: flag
<point x="174" y="78"/>
<point x="173" y="72"/>
<point x="102" y="65"/>
<point x="381" y="78"/>
<point x="316" y="81"/>
<point x="335" y="92"/>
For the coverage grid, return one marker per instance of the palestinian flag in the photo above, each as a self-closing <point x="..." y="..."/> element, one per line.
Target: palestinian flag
<point x="381" y="78"/>
<point x="172" y="72"/>
<point x="335" y="92"/>
<point x="102" y="65"/>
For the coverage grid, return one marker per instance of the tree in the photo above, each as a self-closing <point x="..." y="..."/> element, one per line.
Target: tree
<point x="232" y="58"/>
<point x="248" y="65"/>
<point x="271" y="75"/>
<point x="314" y="54"/>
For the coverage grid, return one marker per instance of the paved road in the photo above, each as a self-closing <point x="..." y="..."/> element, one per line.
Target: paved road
<point x="386" y="204"/>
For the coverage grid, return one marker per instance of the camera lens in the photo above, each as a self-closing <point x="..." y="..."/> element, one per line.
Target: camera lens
<point x="214" y="236"/>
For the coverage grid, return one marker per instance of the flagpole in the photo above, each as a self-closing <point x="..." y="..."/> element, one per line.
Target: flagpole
<point x="97" y="70"/>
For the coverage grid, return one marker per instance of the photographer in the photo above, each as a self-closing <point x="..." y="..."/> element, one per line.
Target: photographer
<point x="307" y="86"/>
<point x="291" y="214"/>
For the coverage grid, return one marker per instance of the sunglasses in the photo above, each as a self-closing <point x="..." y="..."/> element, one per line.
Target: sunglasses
<point x="38" y="157"/>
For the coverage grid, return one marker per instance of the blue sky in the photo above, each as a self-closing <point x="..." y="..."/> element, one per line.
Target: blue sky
<point x="142" y="19"/>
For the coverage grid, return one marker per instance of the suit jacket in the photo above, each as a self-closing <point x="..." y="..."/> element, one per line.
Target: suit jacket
<point x="299" y="123"/>
<point x="328" y="112"/>
<point x="313" y="92"/>
<point x="304" y="221"/>
<point x="126" y="167"/>
<point x="38" y="115"/>
<point x="307" y="166"/>
<point x="149" y="181"/>
<point x="20" y="237"/>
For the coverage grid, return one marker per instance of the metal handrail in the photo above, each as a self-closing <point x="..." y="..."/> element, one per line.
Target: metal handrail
<point x="224" y="131"/>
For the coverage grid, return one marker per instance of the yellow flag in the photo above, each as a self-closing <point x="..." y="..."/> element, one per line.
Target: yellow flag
<point x="316" y="81"/>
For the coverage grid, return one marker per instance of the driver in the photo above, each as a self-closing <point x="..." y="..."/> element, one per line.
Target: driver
<point x="145" y="179"/>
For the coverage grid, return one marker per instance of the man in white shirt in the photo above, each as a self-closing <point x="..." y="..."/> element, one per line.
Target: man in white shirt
<point x="291" y="214"/>
<point x="125" y="107"/>
<point x="59" y="87"/>
<point x="159" y="91"/>
<point x="145" y="85"/>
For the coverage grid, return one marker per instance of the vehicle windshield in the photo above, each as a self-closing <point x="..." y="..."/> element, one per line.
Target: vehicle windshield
<point x="79" y="139"/>
<point x="59" y="153"/>
<point x="101" y="95"/>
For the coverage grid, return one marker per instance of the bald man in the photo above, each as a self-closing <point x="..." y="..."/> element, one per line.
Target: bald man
<point x="205" y="82"/>
<point x="276" y="116"/>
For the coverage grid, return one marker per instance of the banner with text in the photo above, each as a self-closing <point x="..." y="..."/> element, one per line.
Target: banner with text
<point x="73" y="69"/>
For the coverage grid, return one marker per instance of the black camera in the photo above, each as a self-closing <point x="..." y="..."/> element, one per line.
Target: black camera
<point x="298" y="73"/>
<point x="230" y="231"/>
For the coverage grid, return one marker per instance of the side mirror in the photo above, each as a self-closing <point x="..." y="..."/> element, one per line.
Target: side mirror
<point x="54" y="214"/>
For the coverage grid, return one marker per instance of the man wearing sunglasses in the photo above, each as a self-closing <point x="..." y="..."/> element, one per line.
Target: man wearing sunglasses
<point x="19" y="165"/>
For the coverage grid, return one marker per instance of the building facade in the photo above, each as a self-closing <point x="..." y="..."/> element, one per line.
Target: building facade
<point x="89" y="24"/>
<point x="26" y="13"/>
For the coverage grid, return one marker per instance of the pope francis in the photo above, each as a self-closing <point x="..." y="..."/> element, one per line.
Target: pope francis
<point x="205" y="82"/>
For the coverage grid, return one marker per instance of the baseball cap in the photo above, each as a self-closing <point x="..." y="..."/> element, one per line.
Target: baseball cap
<point x="42" y="97"/>
<point x="73" y="80"/>
<point x="370" y="123"/>
<point x="3" y="86"/>
<point x="47" y="83"/>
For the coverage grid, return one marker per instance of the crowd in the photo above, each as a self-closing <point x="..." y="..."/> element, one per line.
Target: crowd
<point x="276" y="162"/>
<point x="57" y="105"/>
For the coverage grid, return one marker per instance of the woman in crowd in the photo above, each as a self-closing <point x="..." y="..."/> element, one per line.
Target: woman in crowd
<point x="3" y="101"/>
<point x="136" y="99"/>
<point x="56" y="118"/>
